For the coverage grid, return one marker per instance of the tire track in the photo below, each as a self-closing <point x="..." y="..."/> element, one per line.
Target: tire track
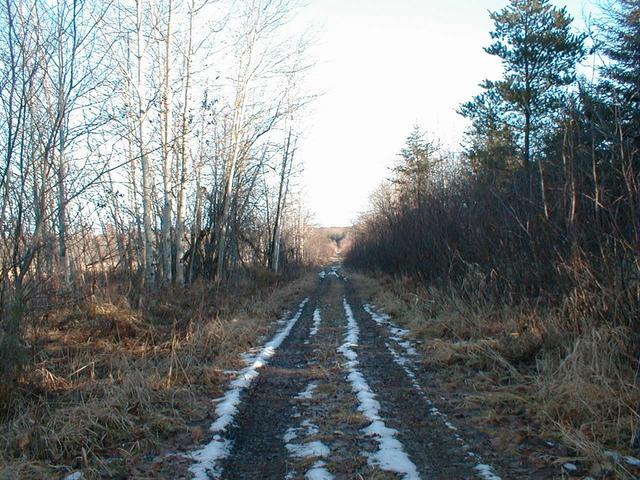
<point x="236" y="431"/>
<point x="340" y="398"/>
<point x="428" y="441"/>
<point x="390" y="455"/>
<point x="396" y="335"/>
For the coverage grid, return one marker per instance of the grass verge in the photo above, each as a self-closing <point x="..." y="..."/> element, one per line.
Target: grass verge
<point x="111" y="388"/>
<point x="547" y="383"/>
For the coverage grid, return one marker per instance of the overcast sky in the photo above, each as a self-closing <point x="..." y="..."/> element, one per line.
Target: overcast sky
<point x="385" y="65"/>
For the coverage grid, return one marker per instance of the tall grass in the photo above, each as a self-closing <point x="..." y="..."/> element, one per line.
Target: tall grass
<point x="110" y="383"/>
<point x="548" y="300"/>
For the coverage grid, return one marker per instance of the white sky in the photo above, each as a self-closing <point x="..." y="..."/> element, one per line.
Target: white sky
<point x="384" y="66"/>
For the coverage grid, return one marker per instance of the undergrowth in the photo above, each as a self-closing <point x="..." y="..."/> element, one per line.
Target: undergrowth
<point x="568" y="377"/>
<point x="109" y="384"/>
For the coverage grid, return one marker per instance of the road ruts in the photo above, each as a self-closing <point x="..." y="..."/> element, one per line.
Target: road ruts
<point x="427" y="440"/>
<point x="314" y="391"/>
<point x="258" y="449"/>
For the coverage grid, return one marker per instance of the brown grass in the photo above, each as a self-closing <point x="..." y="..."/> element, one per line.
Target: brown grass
<point x="565" y="376"/>
<point x="110" y="385"/>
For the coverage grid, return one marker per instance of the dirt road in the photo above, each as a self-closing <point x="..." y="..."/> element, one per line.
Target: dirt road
<point x="339" y="392"/>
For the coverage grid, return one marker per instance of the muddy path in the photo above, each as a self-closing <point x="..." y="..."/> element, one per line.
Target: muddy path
<point x="339" y="392"/>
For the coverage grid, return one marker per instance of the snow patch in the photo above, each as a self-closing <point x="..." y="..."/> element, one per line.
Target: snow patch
<point x="634" y="462"/>
<point x="618" y="458"/>
<point x="207" y="458"/>
<point x="333" y="272"/>
<point x="307" y="392"/>
<point x="308" y="449"/>
<point x="397" y="334"/>
<point x="290" y="434"/>
<point x="316" y="322"/>
<point x="405" y="363"/>
<point x="318" y="472"/>
<point x="390" y="455"/>
<point x="312" y="428"/>
<point x="486" y="472"/>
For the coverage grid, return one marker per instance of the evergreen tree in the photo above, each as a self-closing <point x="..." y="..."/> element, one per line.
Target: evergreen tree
<point x="622" y="76"/>
<point x="539" y="55"/>
<point x="490" y="142"/>
<point x="418" y="158"/>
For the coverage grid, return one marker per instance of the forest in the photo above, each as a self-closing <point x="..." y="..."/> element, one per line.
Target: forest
<point x="531" y="234"/>
<point x="143" y="141"/>
<point x="148" y="163"/>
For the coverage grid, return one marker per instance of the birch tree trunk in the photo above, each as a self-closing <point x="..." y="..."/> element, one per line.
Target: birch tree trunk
<point x="229" y="176"/>
<point x="65" y="86"/>
<point x="166" y="154"/>
<point x="282" y="198"/>
<point x="147" y="247"/>
<point x="197" y="222"/>
<point x="184" y="153"/>
<point x="65" y="264"/>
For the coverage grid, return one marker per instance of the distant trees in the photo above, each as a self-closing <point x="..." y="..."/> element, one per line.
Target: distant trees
<point x="337" y="238"/>
<point x="618" y="122"/>
<point x="46" y="83"/>
<point x="211" y="144"/>
<point x="492" y="146"/>
<point x="622" y="75"/>
<point x="561" y="262"/>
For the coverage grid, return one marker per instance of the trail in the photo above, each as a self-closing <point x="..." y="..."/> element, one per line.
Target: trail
<point x="338" y="392"/>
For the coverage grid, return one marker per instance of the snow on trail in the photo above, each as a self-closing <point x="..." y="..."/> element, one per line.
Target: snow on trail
<point x="316" y="322"/>
<point x="318" y="472"/>
<point x="308" y="392"/>
<point x="309" y="449"/>
<point x="317" y="319"/>
<point x="333" y="272"/>
<point x="397" y="334"/>
<point x="390" y="455"/>
<point x="208" y="457"/>
<point x="486" y="472"/>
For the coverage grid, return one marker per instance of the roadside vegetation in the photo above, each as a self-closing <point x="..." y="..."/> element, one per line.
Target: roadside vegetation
<point x="517" y="263"/>
<point x="111" y="389"/>
<point x="151" y="226"/>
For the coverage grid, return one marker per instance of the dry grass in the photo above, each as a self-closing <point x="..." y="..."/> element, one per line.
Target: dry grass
<point x="110" y="385"/>
<point x="555" y="371"/>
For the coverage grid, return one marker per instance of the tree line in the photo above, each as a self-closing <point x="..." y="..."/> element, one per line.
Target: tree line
<point x="151" y="139"/>
<point x="544" y="200"/>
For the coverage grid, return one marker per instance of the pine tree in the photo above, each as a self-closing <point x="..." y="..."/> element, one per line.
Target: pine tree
<point x="490" y="142"/>
<point x="622" y="76"/>
<point x="418" y="158"/>
<point x="539" y="55"/>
